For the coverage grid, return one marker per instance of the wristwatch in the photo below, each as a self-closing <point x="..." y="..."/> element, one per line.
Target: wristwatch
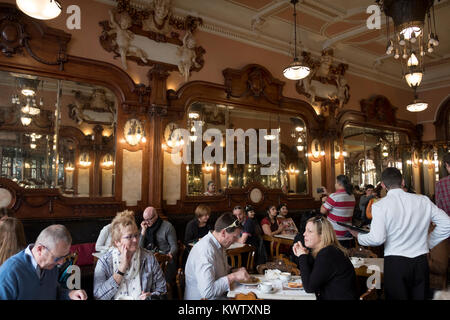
<point x="120" y="272"/>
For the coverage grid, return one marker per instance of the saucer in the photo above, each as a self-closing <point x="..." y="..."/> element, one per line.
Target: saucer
<point x="270" y="292"/>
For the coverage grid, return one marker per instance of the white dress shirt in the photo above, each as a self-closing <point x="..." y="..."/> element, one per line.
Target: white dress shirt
<point x="104" y="239"/>
<point x="206" y="270"/>
<point x="401" y="221"/>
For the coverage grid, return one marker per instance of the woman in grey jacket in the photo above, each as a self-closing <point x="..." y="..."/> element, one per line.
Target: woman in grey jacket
<point x="126" y="271"/>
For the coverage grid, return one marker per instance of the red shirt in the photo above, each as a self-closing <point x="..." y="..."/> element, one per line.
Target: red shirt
<point x="442" y="194"/>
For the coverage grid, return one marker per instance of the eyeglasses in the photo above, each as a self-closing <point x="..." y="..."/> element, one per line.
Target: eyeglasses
<point x="131" y="236"/>
<point x="56" y="259"/>
<point x="237" y="208"/>
<point x="235" y="224"/>
<point x="318" y="218"/>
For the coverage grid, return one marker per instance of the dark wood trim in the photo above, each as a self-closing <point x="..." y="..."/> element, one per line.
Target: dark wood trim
<point x="441" y="124"/>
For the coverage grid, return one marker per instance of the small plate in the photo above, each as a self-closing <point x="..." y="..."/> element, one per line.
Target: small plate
<point x="258" y="281"/>
<point x="270" y="292"/>
<point x="286" y="287"/>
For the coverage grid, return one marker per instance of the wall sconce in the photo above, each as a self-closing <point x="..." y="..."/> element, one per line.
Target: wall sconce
<point x="107" y="161"/>
<point x="69" y="167"/>
<point x="208" y="168"/>
<point x="134" y="132"/>
<point x="85" y="160"/>
<point x="409" y="162"/>
<point x="316" y="149"/>
<point x="223" y="169"/>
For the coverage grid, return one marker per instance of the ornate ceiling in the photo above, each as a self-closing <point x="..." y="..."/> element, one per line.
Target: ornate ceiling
<point x="340" y="24"/>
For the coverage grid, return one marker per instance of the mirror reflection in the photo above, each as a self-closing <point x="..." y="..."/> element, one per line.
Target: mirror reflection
<point x="368" y="151"/>
<point x="57" y="134"/>
<point x="213" y="179"/>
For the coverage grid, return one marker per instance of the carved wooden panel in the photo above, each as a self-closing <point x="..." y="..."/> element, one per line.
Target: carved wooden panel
<point x="253" y="81"/>
<point x="378" y="108"/>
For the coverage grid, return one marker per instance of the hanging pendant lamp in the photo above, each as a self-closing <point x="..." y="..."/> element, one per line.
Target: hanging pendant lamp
<point x="40" y="9"/>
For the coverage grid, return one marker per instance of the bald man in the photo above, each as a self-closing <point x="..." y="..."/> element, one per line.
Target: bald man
<point x="159" y="235"/>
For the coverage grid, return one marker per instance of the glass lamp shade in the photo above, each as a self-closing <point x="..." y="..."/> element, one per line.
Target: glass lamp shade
<point x="296" y="71"/>
<point x="40" y="9"/>
<point x="414" y="79"/>
<point x="409" y="31"/>
<point x="25" y="120"/>
<point x="417" y="106"/>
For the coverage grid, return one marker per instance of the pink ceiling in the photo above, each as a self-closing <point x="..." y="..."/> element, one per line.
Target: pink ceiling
<point x="359" y="16"/>
<point x="369" y="35"/>
<point x="303" y="19"/>
<point x="339" y="27"/>
<point x="254" y="4"/>
<point x="374" y="48"/>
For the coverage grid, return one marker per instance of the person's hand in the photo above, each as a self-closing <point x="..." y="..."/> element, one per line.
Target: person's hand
<point x="144" y="295"/>
<point x="144" y="226"/>
<point x="281" y="227"/>
<point x="125" y="258"/>
<point x="77" y="295"/>
<point x="354" y="233"/>
<point x="170" y="256"/>
<point x="241" y="274"/>
<point x="299" y="249"/>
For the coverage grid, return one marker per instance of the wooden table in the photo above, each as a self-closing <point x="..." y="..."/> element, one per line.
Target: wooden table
<point x="278" y="294"/>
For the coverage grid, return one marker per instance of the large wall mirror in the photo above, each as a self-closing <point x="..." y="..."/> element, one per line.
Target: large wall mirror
<point x="292" y="173"/>
<point x="368" y="151"/>
<point x="57" y="134"/>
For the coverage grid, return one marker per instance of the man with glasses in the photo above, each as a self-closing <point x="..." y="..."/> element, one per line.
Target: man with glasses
<point x="207" y="271"/>
<point x="31" y="274"/>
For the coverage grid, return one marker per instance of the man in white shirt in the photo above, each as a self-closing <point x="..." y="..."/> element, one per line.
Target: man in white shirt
<point x="401" y="221"/>
<point x="207" y="271"/>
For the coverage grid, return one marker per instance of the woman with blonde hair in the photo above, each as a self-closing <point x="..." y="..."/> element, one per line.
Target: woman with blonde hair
<point x="326" y="270"/>
<point x="12" y="238"/>
<point x="126" y="271"/>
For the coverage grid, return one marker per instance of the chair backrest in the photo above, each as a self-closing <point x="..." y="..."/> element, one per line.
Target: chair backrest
<point x="181" y="250"/>
<point x="370" y="294"/>
<point x="249" y="296"/>
<point x="235" y="256"/>
<point x="283" y="264"/>
<point x="163" y="260"/>
<point x="180" y="280"/>
<point x="361" y="252"/>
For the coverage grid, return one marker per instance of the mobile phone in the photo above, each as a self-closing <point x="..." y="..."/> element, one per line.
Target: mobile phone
<point x="319" y="190"/>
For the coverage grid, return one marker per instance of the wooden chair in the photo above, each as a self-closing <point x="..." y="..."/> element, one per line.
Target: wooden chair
<point x="283" y="264"/>
<point x="163" y="260"/>
<point x="235" y="256"/>
<point x="361" y="252"/>
<point x="370" y="294"/>
<point x="249" y="296"/>
<point x="275" y="243"/>
<point x="181" y="250"/>
<point x="180" y="280"/>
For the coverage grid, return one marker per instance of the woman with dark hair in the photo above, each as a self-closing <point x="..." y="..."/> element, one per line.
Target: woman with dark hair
<point x="269" y="224"/>
<point x="339" y="206"/>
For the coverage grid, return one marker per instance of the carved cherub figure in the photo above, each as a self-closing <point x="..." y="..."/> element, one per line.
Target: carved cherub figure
<point x="124" y="38"/>
<point x="158" y="21"/>
<point x="187" y="56"/>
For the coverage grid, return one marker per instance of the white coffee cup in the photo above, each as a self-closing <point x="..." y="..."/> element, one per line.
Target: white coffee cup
<point x="285" y="276"/>
<point x="265" y="287"/>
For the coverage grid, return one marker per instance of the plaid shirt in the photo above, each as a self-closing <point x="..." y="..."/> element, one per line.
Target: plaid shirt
<point x="442" y="194"/>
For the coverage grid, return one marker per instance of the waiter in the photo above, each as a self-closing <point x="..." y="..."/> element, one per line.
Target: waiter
<point x="401" y="221"/>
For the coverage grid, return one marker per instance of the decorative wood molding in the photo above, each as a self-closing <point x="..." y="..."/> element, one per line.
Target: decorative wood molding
<point x="379" y="109"/>
<point x="18" y="32"/>
<point x="253" y="81"/>
<point x="441" y="124"/>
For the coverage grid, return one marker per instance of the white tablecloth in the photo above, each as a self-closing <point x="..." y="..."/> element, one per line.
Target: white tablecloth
<point x="278" y="294"/>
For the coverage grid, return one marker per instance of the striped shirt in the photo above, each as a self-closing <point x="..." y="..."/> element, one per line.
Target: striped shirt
<point x="340" y="207"/>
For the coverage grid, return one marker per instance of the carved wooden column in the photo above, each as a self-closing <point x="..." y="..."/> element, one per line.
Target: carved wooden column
<point x="157" y="109"/>
<point x="329" y="136"/>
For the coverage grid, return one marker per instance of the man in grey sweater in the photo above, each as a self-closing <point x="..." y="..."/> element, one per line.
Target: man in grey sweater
<point x="159" y="235"/>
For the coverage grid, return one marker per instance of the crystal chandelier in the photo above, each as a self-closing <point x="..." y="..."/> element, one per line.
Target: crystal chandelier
<point x="27" y="88"/>
<point x="296" y="70"/>
<point x="414" y="35"/>
<point x="40" y="9"/>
